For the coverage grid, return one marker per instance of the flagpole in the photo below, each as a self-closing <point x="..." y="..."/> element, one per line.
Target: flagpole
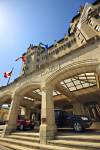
<point x="46" y="47"/>
<point x="10" y="76"/>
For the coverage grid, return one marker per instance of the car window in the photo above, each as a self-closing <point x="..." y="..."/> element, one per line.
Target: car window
<point x="57" y="114"/>
<point x="65" y="114"/>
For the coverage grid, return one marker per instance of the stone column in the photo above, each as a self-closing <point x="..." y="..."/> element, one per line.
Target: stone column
<point x="12" y="115"/>
<point x="27" y="113"/>
<point x="78" y="109"/>
<point x="47" y="127"/>
<point x="98" y="76"/>
<point x="98" y="79"/>
<point x="22" y="110"/>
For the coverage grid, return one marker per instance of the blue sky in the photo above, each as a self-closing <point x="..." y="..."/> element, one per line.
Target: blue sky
<point x="31" y="21"/>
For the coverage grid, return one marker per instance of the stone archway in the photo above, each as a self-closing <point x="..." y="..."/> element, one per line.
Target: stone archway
<point x="6" y="99"/>
<point x="26" y="87"/>
<point x="51" y="81"/>
<point x="72" y="70"/>
<point x="28" y="98"/>
<point x="17" y="97"/>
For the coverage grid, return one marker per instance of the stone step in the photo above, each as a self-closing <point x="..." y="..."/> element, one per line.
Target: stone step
<point x="31" y="134"/>
<point x="16" y="147"/>
<point x="4" y="148"/>
<point x="95" y="138"/>
<point x="76" y="144"/>
<point x="23" y="145"/>
<point x="2" y="127"/>
<point x="1" y="133"/>
<point x="24" y="138"/>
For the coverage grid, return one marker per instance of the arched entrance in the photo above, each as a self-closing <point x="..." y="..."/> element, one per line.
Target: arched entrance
<point x="82" y="73"/>
<point x="22" y="96"/>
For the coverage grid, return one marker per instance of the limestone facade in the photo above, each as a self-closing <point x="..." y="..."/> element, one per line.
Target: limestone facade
<point x="73" y="57"/>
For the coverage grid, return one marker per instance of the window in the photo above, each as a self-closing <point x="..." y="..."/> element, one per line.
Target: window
<point x="69" y="44"/>
<point x="78" y="35"/>
<point x="97" y="28"/>
<point x="82" y="41"/>
<point x="97" y="16"/>
<point x="91" y="22"/>
<point x="74" y="41"/>
<point x="57" y="51"/>
<point x="79" y="81"/>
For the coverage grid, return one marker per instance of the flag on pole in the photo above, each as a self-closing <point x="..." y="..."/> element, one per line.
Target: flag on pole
<point x="7" y="74"/>
<point x="45" y="46"/>
<point x="23" y="58"/>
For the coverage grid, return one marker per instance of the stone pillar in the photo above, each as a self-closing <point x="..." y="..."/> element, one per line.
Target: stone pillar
<point x="27" y="113"/>
<point x="12" y="115"/>
<point x="47" y="127"/>
<point x="22" y="110"/>
<point x="98" y="79"/>
<point x="98" y="76"/>
<point x="78" y="109"/>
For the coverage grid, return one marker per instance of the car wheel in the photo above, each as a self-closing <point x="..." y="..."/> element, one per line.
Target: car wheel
<point x="21" y="127"/>
<point x="77" y="127"/>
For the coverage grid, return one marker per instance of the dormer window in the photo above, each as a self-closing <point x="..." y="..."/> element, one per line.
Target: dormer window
<point x="91" y="22"/>
<point x="97" y="28"/>
<point x="79" y="35"/>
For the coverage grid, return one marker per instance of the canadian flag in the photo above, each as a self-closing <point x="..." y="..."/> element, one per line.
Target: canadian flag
<point x="23" y="58"/>
<point x="7" y="74"/>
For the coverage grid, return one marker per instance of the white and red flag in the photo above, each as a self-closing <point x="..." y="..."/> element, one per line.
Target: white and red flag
<point x="7" y="74"/>
<point x="23" y="58"/>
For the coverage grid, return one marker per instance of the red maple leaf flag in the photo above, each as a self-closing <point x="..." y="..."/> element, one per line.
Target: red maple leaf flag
<point x="7" y="74"/>
<point x="23" y="58"/>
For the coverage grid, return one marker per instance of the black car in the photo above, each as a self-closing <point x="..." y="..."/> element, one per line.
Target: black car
<point x="77" y="122"/>
<point x="2" y="122"/>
